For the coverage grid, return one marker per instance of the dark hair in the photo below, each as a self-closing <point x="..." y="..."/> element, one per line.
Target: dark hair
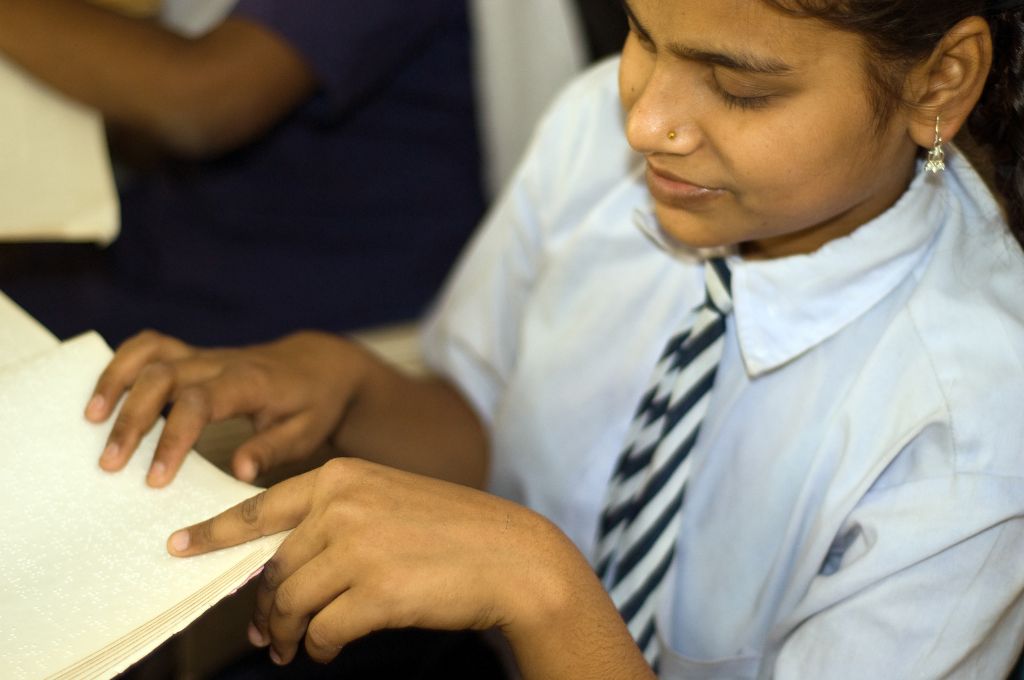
<point x="902" y="32"/>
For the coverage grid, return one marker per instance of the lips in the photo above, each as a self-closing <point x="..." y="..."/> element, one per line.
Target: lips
<point x="678" y="192"/>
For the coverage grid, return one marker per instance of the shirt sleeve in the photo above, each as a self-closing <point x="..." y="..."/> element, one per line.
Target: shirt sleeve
<point x="925" y="581"/>
<point x="352" y="47"/>
<point x="472" y="335"/>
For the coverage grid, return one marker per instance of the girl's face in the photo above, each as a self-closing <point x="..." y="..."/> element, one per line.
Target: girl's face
<point x="758" y="127"/>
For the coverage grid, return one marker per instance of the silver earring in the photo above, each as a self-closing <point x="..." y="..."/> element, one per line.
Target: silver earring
<point x="936" y="157"/>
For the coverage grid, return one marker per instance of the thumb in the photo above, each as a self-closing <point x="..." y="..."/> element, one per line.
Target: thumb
<point x="286" y="441"/>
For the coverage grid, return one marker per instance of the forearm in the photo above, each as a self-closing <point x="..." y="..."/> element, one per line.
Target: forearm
<point x="187" y="94"/>
<point x="422" y="425"/>
<point x="113" y="63"/>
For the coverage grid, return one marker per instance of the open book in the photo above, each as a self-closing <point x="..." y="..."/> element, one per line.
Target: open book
<point x="56" y="181"/>
<point x="88" y="587"/>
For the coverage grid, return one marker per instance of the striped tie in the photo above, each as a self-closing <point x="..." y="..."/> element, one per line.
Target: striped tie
<point x="642" y="515"/>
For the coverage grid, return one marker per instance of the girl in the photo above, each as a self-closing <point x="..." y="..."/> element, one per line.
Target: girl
<point x="823" y="477"/>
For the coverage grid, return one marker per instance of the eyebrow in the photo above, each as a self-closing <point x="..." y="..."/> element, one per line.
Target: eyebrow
<point x="748" y="63"/>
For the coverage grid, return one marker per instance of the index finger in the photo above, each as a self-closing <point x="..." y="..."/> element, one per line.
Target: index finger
<point x="129" y="359"/>
<point x="279" y="508"/>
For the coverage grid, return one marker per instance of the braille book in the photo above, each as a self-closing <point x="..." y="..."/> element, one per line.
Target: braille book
<point x="86" y="584"/>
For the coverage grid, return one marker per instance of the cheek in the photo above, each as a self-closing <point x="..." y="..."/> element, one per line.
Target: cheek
<point x="803" y="166"/>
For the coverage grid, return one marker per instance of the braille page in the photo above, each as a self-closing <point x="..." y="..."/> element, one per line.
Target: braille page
<point x="56" y="182"/>
<point x="21" y="336"/>
<point x="86" y="584"/>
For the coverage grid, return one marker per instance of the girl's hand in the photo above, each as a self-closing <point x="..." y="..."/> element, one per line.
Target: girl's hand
<point x="376" y="548"/>
<point x="295" y="390"/>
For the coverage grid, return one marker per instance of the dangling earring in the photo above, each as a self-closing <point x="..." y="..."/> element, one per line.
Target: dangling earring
<point x="936" y="157"/>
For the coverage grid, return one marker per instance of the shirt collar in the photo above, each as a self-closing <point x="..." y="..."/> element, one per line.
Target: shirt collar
<point x="786" y="306"/>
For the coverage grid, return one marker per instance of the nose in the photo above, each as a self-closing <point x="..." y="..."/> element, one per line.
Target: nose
<point x="661" y="118"/>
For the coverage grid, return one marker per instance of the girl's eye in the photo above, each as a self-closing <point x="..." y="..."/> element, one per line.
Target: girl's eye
<point x="737" y="102"/>
<point x="733" y="101"/>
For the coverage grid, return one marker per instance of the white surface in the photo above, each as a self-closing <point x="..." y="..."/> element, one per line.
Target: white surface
<point x="88" y="586"/>
<point x="55" y="180"/>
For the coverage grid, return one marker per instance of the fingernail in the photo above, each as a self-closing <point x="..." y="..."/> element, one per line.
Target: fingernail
<point x="256" y="637"/>
<point x="247" y="470"/>
<point x="275" y="657"/>
<point x="110" y="454"/>
<point x="180" y="540"/>
<point x="156" y="472"/>
<point x="95" y="406"/>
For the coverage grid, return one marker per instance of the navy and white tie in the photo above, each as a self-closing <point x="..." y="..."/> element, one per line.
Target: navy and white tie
<point x="642" y="514"/>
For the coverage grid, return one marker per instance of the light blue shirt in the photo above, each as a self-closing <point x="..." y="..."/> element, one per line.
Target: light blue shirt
<point x="856" y="502"/>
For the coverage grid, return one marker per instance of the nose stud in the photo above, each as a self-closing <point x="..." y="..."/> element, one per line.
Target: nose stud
<point x="672" y="135"/>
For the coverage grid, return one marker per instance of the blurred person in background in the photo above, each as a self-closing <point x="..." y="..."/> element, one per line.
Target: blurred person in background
<point x="307" y="164"/>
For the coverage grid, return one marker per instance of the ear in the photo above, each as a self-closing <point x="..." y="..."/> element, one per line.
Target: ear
<point x="949" y="83"/>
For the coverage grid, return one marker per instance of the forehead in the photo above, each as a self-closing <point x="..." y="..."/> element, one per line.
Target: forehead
<point x="750" y="27"/>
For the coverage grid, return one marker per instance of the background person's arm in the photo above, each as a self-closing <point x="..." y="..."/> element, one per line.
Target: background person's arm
<point x="196" y="97"/>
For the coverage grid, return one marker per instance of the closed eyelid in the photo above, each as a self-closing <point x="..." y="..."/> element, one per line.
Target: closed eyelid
<point x="741" y="97"/>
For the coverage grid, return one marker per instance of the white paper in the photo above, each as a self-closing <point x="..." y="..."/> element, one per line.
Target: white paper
<point x="86" y="584"/>
<point x="56" y="181"/>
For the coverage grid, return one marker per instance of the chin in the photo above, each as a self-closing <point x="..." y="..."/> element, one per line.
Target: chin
<point x="690" y="230"/>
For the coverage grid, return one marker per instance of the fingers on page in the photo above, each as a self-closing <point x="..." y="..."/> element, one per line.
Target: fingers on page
<point x="129" y="360"/>
<point x="185" y="422"/>
<point x="279" y="508"/>
<point x="140" y="410"/>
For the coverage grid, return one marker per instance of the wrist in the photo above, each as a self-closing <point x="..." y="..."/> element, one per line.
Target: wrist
<point x="552" y="581"/>
<point x="561" y="622"/>
<point x="355" y="376"/>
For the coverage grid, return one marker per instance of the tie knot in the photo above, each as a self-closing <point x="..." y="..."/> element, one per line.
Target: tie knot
<point x="718" y="284"/>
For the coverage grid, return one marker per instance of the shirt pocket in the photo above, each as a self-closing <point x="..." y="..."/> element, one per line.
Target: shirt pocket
<point x="675" y="666"/>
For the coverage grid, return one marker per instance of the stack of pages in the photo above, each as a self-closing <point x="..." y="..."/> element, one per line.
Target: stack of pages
<point x="88" y="585"/>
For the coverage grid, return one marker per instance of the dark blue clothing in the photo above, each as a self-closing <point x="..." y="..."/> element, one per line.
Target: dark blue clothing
<point x="346" y="215"/>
